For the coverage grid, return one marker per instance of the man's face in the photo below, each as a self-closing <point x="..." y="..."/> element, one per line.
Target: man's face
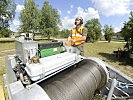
<point x="77" y="21"/>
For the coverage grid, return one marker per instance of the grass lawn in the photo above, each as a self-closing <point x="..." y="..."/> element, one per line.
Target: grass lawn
<point x="104" y="51"/>
<point x="6" y="48"/>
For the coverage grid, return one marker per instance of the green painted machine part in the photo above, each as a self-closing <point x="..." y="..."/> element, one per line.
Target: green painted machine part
<point x="50" y="51"/>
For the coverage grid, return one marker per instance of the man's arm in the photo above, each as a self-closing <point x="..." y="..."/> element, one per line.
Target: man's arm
<point x="83" y="38"/>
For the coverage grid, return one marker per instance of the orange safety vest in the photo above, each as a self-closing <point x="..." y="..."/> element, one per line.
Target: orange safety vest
<point x="76" y="34"/>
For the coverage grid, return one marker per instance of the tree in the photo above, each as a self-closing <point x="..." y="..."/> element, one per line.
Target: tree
<point x="29" y="17"/>
<point x="5" y="32"/>
<point x="127" y="30"/>
<point x="94" y="30"/>
<point x="7" y="13"/>
<point x="127" y="33"/>
<point x="109" y="32"/>
<point x="65" y="33"/>
<point x="50" y="20"/>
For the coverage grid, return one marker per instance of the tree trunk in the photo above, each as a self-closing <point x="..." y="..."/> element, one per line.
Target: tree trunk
<point x="48" y="36"/>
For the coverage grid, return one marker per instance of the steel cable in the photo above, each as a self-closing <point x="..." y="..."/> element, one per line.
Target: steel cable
<point x="78" y="83"/>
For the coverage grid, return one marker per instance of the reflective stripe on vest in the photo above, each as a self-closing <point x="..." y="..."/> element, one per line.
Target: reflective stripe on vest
<point x="76" y="34"/>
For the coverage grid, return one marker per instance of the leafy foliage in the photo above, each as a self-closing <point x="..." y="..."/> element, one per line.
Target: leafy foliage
<point x="127" y="33"/>
<point x="64" y="33"/>
<point x="5" y="32"/>
<point x="109" y="32"/>
<point x="127" y="30"/>
<point x="7" y="13"/>
<point x="94" y="30"/>
<point x="29" y="17"/>
<point x="43" y="21"/>
<point x="50" y="19"/>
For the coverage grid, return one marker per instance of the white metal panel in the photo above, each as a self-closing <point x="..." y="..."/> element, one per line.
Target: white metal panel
<point x="51" y="64"/>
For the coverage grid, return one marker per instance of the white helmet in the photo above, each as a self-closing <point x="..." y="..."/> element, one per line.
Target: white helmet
<point x="79" y="18"/>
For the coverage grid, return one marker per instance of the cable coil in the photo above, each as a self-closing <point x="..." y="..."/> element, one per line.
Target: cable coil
<point x="78" y="83"/>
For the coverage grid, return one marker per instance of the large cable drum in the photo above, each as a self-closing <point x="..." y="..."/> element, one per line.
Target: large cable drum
<point x="77" y="83"/>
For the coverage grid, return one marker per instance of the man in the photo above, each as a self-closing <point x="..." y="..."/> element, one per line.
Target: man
<point x="78" y="37"/>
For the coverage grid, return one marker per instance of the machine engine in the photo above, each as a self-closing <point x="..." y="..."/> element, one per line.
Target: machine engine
<point x="38" y="61"/>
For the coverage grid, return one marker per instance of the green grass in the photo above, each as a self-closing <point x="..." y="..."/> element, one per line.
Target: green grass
<point x="104" y="51"/>
<point x="98" y="48"/>
<point x="6" y="48"/>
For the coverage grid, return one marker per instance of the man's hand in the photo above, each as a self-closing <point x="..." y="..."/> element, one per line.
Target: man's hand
<point x="68" y="42"/>
<point x="69" y="39"/>
<point x="73" y="40"/>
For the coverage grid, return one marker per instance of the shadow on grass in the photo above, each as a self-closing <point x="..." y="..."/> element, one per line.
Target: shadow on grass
<point x="113" y="58"/>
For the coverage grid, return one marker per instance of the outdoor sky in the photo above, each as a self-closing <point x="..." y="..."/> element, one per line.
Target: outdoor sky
<point x="110" y="12"/>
